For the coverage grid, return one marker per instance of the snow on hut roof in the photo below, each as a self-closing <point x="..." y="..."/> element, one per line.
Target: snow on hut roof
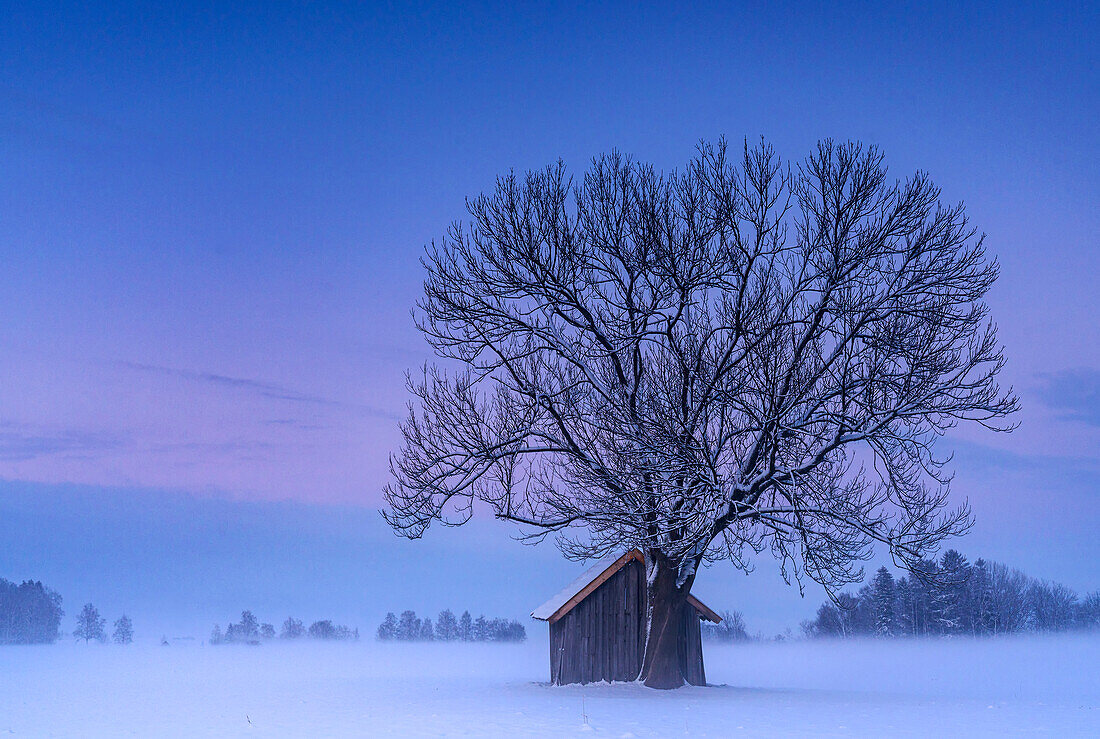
<point x="595" y="576"/>
<point x="550" y="607"/>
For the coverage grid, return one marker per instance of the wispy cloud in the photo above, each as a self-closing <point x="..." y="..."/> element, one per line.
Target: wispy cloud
<point x="1074" y="394"/>
<point x="294" y="423"/>
<point x="19" y="443"/>
<point x="260" y="388"/>
<point x="236" y="447"/>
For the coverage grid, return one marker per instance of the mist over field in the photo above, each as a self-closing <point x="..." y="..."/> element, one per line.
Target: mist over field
<point x="1023" y="686"/>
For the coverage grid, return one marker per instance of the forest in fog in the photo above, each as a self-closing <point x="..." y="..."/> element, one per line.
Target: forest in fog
<point x="953" y="597"/>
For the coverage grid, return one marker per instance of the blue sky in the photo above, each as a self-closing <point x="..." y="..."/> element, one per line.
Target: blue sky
<point x="211" y="219"/>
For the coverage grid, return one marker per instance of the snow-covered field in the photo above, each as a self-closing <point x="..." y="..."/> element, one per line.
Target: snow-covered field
<point x="1030" y="687"/>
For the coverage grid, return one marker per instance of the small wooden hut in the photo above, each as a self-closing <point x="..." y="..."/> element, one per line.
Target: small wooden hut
<point x="597" y="625"/>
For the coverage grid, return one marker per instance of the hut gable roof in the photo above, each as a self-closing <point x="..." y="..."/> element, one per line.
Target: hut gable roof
<point x="595" y="576"/>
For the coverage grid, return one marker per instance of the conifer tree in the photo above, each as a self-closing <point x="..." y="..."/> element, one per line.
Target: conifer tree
<point x="465" y="627"/>
<point x="387" y="631"/>
<point x="481" y="629"/>
<point x="863" y="615"/>
<point x="905" y="608"/>
<point x="980" y="598"/>
<point x="446" y="627"/>
<point x="949" y="593"/>
<point x="883" y="602"/>
<point x="408" y="627"/>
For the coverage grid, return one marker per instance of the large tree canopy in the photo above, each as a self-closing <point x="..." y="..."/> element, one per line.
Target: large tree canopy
<point x="738" y="357"/>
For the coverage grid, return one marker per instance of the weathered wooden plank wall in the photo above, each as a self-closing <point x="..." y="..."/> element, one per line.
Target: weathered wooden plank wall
<point x="691" y="646"/>
<point x="599" y="638"/>
<point x="603" y="636"/>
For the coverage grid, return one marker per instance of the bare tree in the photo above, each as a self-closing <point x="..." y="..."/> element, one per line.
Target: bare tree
<point x="706" y="365"/>
<point x="90" y="625"/>
<point x="124" y="630"/>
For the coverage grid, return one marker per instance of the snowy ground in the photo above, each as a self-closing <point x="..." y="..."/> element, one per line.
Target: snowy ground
<point x="1034" y="686"/>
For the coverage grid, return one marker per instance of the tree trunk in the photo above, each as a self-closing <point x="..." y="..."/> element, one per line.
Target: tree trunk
<point x="665" y="606"/>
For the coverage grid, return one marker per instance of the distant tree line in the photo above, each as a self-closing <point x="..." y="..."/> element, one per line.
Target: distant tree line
<point x="249" y="630"/>
<point x="30" y="613"/>
<point x="448" y="628"/>
<point x="731" y="629"/>
<point x="954" y="597"/>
